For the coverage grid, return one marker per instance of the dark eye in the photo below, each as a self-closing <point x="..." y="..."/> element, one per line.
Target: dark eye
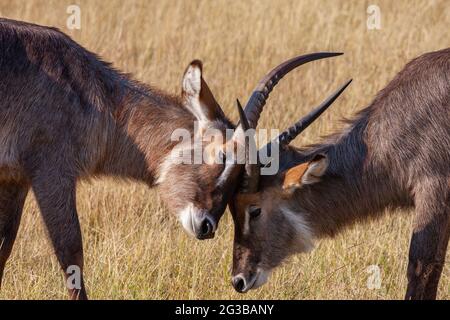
<point x="254" y="212"/>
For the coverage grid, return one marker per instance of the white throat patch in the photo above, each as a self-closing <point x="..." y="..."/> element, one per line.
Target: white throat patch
<point x="305" y="235"/>
<point x="186" y="217"/>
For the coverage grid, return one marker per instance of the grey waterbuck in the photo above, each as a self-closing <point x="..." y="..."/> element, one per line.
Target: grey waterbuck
<point x="66" y="115"/>
<point x="394" y="154"/>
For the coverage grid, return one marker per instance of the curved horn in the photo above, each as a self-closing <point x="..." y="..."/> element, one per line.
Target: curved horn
<point x="250" y="179"/>
<point x="261" y="93"/>
<point x="292" y="132"/>
<point x="243" y="121"/>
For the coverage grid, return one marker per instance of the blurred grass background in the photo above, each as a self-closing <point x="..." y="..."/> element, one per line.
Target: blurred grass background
<point x="134" y="249"/>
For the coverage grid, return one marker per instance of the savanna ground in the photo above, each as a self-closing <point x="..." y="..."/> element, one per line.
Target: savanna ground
<point x="134" y="249"/>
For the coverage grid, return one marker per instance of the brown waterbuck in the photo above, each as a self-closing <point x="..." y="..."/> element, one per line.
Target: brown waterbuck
<point x="66" y="115"/>
<point x="394" y="154"/>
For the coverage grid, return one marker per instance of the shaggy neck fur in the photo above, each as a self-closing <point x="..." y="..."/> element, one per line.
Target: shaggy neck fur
<point x="356" y="186"/>
<point x="140" y="135"/>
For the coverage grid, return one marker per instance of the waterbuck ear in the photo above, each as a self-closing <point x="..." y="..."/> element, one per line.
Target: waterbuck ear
<point x="197" y="96"/>
<point x="305" y="173"/>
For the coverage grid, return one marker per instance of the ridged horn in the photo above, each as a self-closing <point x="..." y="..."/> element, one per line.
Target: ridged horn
<point x="292" y="132"/>
<point x="261" y="93"/>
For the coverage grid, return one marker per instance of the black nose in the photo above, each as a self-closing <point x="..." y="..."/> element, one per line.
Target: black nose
<point x="206" y="228"/>
<point x="239" y="283"/>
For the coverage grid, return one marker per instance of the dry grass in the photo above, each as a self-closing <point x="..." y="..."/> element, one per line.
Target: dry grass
<point x="134" y="248"/>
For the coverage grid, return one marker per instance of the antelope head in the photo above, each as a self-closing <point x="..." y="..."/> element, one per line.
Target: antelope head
<point x="199" y="175"/>
<point x="199" y="191"/>
<point x="266" y="228"/>
<point x="196" y="179"/>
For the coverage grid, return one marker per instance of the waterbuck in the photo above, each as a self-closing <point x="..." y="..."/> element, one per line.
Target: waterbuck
<point x="394" y="154"/>
<point x="66" y="115"/>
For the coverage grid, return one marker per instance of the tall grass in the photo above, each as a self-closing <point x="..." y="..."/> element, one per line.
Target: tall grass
<point x="134" y="249"/>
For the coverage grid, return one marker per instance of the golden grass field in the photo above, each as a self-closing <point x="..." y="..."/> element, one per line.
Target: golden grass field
<point x="134" y="248"/>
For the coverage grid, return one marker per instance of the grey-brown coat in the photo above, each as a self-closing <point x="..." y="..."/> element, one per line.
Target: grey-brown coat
<point x="67" y="115"/>
<point x="394" y="154"/>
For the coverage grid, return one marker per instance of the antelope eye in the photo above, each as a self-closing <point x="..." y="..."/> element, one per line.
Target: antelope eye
<point x="254" y="212"/>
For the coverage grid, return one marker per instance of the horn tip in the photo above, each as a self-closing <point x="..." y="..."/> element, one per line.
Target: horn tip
<point x="333" y="54"/>
<point x="348" y="83"/>
<point x="242" y="117"/>
<point x="239" y="105"/>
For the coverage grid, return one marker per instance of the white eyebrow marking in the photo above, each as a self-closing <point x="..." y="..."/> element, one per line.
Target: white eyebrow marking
<point x="225" y="173"/>
<point x="247" y="221"/>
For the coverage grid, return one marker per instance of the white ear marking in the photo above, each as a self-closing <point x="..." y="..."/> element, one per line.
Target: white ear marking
<point x="192" y="80"/>
<point x="192" y="86"/>
<point x="315" y="170"/>
<point x="197" y="95"/>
